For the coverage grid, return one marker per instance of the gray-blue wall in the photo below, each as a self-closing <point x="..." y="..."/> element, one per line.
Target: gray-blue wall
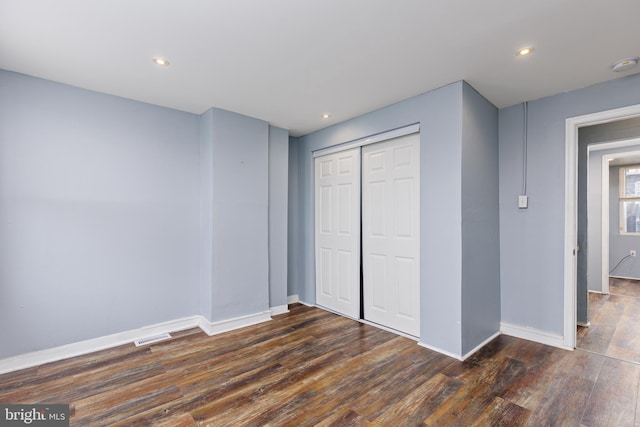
<point x="99" y="214"/>
<point x="278" y="215"/>
<point x="440" y="114"/>
<point x="206" y="213"/>
<point x="116" y="214"/>
<point x="240" y="221"/>
<point x="612" y="131"/>
<point x="532" y="240"/>
<point x="480" y="225"/>
<point x="293" y="251"/>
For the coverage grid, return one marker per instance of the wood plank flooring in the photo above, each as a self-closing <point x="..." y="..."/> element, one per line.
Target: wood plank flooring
<point x="614" y="322"/>
<point x="310" y="367"/>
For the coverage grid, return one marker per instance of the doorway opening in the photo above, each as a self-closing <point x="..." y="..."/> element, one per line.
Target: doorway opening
<point x="613" y="230"/>
<point x="571" y="246"/>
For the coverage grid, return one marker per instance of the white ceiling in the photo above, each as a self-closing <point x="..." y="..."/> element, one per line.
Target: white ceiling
<point x="289" y="61"/>
<point x="625" y="161"/>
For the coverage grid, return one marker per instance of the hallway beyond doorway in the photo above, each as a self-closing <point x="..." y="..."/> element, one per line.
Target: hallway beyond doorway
<point x="614" y="322"/>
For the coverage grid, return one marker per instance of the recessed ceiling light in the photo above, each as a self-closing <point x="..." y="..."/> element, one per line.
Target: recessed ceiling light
<point x="326" y="116"/>
<point x="524" y="51"/>
<point x="160" y="61"/>
<point x="624" y="64"/>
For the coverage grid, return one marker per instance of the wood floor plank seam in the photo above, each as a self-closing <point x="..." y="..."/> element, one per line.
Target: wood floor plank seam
<point x="310" y="367"/>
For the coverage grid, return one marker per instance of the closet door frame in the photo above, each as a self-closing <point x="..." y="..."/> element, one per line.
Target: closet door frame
<point x="384" y="136"/>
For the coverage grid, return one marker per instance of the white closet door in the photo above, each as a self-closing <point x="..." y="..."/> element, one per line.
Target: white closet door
<point x="337" y="217"/>
<point x="391" y="233"/>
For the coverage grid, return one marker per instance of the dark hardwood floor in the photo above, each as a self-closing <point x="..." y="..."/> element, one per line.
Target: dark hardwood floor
<point x="614" y="322"/>
<point x="311" y="367"/>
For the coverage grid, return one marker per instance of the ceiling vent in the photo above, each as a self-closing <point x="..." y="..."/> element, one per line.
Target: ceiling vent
<point x="624" y="64"/>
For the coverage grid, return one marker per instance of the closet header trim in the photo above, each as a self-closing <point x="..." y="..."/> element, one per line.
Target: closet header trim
<point x="395" y="133"/>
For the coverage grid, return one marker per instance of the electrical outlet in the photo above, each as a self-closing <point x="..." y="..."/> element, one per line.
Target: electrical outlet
<point x="523" y="202"/>
<point x="632" y="252"/>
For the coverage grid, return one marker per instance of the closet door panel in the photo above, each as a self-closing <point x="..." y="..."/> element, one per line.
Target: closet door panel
<point x="391" y="233"/>
<point x="337" y="231"/>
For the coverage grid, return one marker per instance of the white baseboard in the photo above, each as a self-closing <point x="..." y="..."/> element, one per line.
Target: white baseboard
<point x="439" y="350"/>
<point x="533" y="334"/>
<point x="458" y="356"/>
<point x="292" y="299"/>
<point x="479" y="346"/>
<point x="28" y="360"/>
<point x="281" y="309"/>
<point x="36" y="358"/>
<point x="79" y="348"/>
<point x="213" y="328"/>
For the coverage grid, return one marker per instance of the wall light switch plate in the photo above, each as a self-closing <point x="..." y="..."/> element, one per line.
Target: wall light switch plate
<point x="523" y="202"/>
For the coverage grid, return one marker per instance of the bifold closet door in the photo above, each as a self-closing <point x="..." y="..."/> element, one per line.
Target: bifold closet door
<point x="337" y="231"/>
<point x="391" y="233"/>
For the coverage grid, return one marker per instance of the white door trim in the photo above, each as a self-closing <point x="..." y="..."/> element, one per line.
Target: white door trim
<point x="572" y="125"/>
<point x="604" y="235"/>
